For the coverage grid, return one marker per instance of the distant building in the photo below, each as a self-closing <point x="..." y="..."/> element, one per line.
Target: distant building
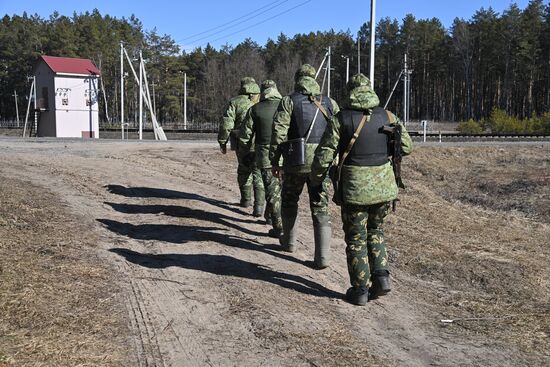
<point x="66" y="97"/>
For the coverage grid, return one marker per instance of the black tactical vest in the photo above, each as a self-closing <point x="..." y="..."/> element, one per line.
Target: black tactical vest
<point x="303" y="112"/>
<point x="262" y="113"/>
<point x="371" y="147"/>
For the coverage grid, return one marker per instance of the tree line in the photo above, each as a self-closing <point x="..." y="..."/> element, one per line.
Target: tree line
<point x="491" y="61"/>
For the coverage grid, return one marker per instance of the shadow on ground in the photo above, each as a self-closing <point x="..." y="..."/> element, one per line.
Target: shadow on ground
<point x="183" y="212"/>
<point x="150" y="192"/>
<point x="182" y="234"/>
<point x="227" y="266"/>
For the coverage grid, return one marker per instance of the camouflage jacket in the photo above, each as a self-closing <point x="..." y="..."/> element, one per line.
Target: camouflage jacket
<point x="249" y="127"/>
<point x="281" y="124"/>
<point x="361" y="185"/>
<point x="234" y="115"/>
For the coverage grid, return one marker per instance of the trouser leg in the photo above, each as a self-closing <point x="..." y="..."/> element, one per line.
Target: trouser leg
<point x="354" y="219"/>
<point x="378" y="257"/>
<point x="292" y="187"/>
<point x="244" y="179"/>
<point x="273" y="199"/>
<point x="322" y="230"/>
<point x="259" y="192"/>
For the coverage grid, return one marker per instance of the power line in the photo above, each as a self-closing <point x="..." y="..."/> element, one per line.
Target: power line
<point x="241" y="22"/>
<point x="261" y="22"/>
<point x="269" y="6"/>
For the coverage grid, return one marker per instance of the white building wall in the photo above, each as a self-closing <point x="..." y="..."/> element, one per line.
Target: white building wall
<point x="75" y="117"/>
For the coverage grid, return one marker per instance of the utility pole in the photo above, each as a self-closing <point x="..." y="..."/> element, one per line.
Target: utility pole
<point x="154" y="99"/>
<point x="122" y="89"/>
<point x="16" y="107"/>
<point x="31" y="93"/>
<point x="184" y="101"/>
<point x="406" y="74"/>
<point x="104" y="94"/>
<point x="140" y="96"/>
<point x="347" y="70"/>
<point x="406" y="91"/>
<point x="372" y="39"/>
<point x="35" y="113"/>
<point x="358" y="54"/>
<point x="328" y="67"/>
<point x="91" y="115"/>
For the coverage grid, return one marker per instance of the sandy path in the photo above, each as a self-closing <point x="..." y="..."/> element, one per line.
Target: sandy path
<point x="204" y="286"/>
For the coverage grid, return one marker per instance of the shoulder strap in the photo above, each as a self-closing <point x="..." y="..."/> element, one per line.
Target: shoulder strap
<point x="319" y="108"/>
<point x="389" y="116"/>
<point x="351" y="143"/>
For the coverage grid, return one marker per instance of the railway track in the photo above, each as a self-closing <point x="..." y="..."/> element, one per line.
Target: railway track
<point x="444" y="136"/>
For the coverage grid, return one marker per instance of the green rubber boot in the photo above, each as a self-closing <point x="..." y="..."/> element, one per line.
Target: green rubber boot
<point x="290" y="229"/>
<point x="322" y="232"/>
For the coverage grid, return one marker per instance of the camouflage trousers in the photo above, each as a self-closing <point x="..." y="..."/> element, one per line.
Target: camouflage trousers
<point x="293" y="184"/>
<point x="365" y="250"/>
<point x="249" y="177"/>
<point x="273" y="198"/>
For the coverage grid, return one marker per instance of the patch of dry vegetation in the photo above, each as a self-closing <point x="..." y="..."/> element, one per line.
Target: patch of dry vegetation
<point x="471" y="241"/>
<point x="58" y="306"/>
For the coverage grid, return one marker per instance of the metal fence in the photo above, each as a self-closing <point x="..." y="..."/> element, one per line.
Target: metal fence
<point x="191" y="125"/>
<point x="11" y="124"/>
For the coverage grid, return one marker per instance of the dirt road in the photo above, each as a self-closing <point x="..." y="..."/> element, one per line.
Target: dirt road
<point x="203" y="285"/>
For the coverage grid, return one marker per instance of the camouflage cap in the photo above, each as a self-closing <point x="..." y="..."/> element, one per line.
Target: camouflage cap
<point x="305" y="70"/>
<point x="268" y="84"/>
<point x="247" y="80"/>
<point x="361" y="96"/>
<point x="249" y="86"/>
<point x="358" y="80"/>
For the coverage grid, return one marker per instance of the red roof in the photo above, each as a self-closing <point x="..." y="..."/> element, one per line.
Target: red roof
<point x="69" y="65"/>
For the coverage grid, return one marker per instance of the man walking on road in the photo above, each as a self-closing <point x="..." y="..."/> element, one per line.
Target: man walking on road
<point x="256" y="130"/>
<point x="362" y="136"/>
<point x="248" y="176"/>
<point x="298" y="126"/>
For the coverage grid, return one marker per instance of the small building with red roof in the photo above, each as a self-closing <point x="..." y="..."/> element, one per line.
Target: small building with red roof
<point x="66" y="91"/>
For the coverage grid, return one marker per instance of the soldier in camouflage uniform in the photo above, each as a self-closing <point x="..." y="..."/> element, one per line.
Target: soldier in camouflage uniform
<point x="248" y="176"/>
<point x="368" y="186"/>
<point x="292" y="120"/>
<point x="256" y="129"/>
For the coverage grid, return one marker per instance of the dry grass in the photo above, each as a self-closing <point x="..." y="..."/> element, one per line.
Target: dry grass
<point x="469" y="242"/>
<point x="474" y="228"/>
<point x="57" y="301"/>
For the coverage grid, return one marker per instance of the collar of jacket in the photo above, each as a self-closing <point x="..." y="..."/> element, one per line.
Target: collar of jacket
<point x="270" y="94"/>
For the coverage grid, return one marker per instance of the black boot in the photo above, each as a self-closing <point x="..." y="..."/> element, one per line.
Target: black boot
<point x="357" y="296"/>
<point x="381" y="284"/>
<point x="275" y="233"/>
<point x="245" y="203"/>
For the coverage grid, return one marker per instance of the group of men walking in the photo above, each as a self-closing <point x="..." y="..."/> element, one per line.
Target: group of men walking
<point x="304" y="139"/>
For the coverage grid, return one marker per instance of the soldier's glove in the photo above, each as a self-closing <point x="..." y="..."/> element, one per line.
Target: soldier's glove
<point x="223" y="148"/>
<point x="276" y="171"/>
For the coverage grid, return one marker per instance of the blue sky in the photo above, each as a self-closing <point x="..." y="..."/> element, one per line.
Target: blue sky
<point x="184" y="18"/>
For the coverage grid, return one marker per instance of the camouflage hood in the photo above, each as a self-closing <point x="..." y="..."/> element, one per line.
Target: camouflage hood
<point x="270" y="91"/>
<point x="249" y="86"/>
<point x="361" y="96"/>
<point x="308" y="86"/>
